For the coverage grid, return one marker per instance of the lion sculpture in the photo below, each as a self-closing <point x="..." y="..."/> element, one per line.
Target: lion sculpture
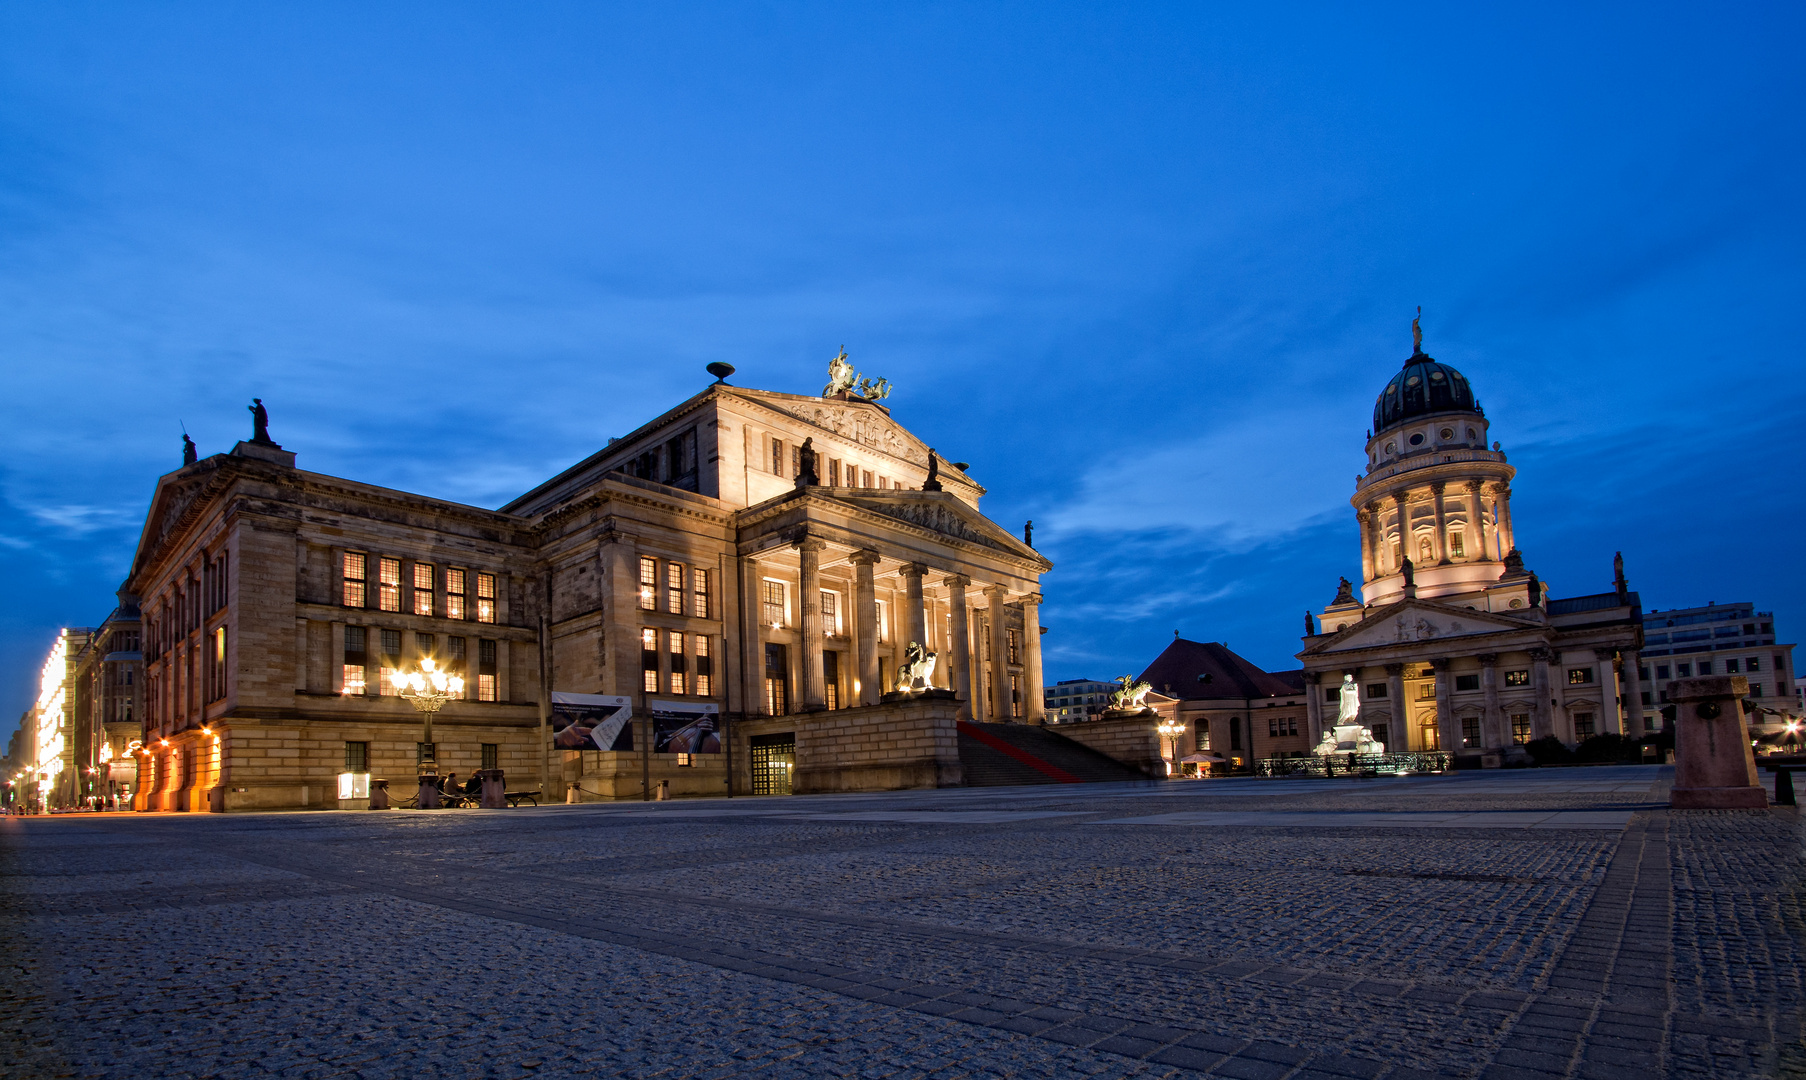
<point x="916" y="670"/>
<point x="1129" y="696"/>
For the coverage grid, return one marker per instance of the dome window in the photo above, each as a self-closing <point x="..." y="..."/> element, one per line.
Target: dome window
<point x="1417" y="439"/>
<point x="1448" y="433"/>
<point x="1470" y="433"/>
<point x="1413" y="381"/>
<point x="1435" y="376"/>
<point x="1392" y="389"/>
<point x="1391" y="448"/>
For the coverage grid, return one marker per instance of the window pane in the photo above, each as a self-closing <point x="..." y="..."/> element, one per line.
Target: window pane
<point x="354" y="580"/>
<point x="648" y="583"/>
<point x="486" y="598"/>
<point x="388" y="584"/>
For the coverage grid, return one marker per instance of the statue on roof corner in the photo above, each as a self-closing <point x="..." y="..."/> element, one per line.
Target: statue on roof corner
<point x="260" y="421"/>
<point x="189" y="454"/>
<point x="1417" y="333"/>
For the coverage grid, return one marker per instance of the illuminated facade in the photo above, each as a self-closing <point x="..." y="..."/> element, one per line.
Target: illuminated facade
<point x="107" y="730"/>
<point x="760" y="558"/>
<point x="53" y="778"/>
<point x="1454" y="644"/>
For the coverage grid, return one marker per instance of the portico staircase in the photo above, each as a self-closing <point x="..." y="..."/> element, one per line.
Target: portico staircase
<point x="1002" y="755"/>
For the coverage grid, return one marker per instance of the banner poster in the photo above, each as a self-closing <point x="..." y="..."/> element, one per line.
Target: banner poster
<point x="591" y="722"/>
<point x="685" y="727"/>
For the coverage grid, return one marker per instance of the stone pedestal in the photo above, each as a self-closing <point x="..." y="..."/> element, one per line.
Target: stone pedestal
<point x="493" y="787"/>
<point x="429" y="792"/>
<point x="1714" y="768"/>
<point x="379" y="794"/>
<point x="1146" y="712"/>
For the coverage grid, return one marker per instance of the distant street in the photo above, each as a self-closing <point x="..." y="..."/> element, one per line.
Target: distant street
<point x="1555" y="922"/>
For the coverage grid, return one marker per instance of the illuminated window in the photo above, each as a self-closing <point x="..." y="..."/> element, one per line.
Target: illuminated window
<point x="1201" y="734"/>
<point x="833" y="472"/>
<point x="674" y="644"/>
<point x="1010" y="642"/>
<point x="699" y="581"/>
<point x="354" y="661"/>
<point x="1520" y="727"/>
<point x="796" y="461"/>
<point x="486" y="671"/>
<point x="1517" y="678"/>
<point x="777" y="457"/>
<point x="423" y="589"/>
<point x="454" y="655"/>
<point x="426" y="645"/>
<point x="773" y="609"/>
<point x="454" y="594"/>
<point x="705" y="667"/>
<point x="648" y="584"/>
<point x="830" y="612"/>
<point x="486" y="598"/>
<point x="883" y="612"/>
<point x="674" y="588"/>
<point x="830" y="671"/>
<point x="353" y="573"/>
<point x="649" y="660"/>
<point x="867" y="478"/>
<point x="216" y="668"/>
<point x="1456" y="546"/>
<point x="388" y="584"/>
<point x="1426" y="691"/>
<point x="1580" y="676"/>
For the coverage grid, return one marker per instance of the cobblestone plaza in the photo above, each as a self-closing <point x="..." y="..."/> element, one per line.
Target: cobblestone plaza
<point x="1506" y="924"/>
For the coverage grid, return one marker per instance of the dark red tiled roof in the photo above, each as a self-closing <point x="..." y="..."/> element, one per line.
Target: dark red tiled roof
<point x="1184" y="663"/>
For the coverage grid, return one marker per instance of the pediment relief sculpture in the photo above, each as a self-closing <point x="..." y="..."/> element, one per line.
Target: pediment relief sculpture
<point x="1417" y="624"/>
<point x="935" y="517"/>
<point x="863" y="426"/>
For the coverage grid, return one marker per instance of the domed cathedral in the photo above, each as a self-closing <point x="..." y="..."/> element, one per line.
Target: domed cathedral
<point x="1453" y="644"/>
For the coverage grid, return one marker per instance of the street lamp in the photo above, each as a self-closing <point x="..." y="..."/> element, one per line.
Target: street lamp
<point x="427" y="689"/>
<point x="1172" y="729"/>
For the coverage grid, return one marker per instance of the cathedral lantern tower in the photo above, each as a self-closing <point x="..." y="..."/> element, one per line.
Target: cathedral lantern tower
<point x="1433" y="493"/>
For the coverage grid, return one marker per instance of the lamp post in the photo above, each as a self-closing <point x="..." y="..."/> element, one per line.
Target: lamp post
<point x="1172" y="729"/>
<point x="427" y="689"/>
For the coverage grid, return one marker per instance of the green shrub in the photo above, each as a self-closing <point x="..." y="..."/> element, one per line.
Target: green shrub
<point x="1549" y="750"/>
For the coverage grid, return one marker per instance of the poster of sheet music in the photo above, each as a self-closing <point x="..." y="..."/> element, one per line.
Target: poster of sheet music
<point x="685" y="727"/>
<point x="591" y="721"/>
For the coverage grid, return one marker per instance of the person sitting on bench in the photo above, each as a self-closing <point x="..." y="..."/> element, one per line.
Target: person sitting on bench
<point x="473" y="787"/>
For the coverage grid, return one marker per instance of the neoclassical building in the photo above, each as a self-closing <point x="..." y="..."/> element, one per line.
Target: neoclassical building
<point x="741" y="578"/>
<point x="1454" y="644"/>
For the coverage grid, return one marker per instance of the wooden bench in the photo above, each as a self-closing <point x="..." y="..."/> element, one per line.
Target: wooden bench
<point x="515" y="798"/>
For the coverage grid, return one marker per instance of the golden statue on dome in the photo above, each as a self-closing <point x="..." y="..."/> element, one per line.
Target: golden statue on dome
<point x="1417" y="333"/>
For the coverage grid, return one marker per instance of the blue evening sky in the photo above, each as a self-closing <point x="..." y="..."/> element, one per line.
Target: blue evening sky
<point x="1144" y="266"/>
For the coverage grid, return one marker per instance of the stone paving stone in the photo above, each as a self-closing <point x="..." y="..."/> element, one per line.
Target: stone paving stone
<point x="810" y="948"/>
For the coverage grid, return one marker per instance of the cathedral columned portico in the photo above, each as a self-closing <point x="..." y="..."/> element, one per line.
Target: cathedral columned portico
<point x="1453" y="643"/>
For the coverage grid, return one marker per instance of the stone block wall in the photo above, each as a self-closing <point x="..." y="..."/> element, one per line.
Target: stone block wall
<point x="887" y="747"/>
<point x="1132" y="741"/>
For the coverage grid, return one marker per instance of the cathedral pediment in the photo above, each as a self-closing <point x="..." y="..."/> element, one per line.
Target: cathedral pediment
<point x="1414" y="621"/>
<point x="940" y="513"/>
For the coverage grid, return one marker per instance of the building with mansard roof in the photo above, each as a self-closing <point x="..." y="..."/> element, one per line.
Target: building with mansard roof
<point x="741" y="579"/>
<point x="1454" y="644"/>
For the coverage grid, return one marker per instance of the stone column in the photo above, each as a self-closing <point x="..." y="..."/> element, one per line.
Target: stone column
<point x="1493" y="735"/>
<point x="1508" y="541"/>
<point x="1034" y="705"/>
<point x="865" y="625"/>
<point x="752" y="673"/>
<point x="999" y="595"/>
<point x="1542" y="721"/>
<point x="959" y="669"/>
<point x="912" y="604"/>
<point x="1367" y="568"/>
<point x="1635" y="725"/>
<point x="1445" y="708"/>
<point x="1714" y="768"/>
<point x="1376" y="536"/>
<point x="1401" y="503"/>
<point x="1477" y="515"/>
<point x="809" y="609"/>
<point x="1442" y="523"/>
<point x="1398" y="738"/>
<point x="1612" y="693"/>
<point x="1313" y="705"/>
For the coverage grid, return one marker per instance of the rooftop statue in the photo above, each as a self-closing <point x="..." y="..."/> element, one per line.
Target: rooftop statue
<point x="260" y="421"/>
<point x="189" y="455"/>
<point x="1417" y="333"/>
<point x="806" y="475"/>
<point x="1344" y="592"/>
<point x="842" y="379"/>
<point x="933" y="483"/>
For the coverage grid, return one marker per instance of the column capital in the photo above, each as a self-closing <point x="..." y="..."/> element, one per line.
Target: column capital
<point x="1393" y="670"/>
<point x="1033" y="598"/>
<point x="997" y="592"/>
<point x="1440" y="663"/>
<point x="1541" y="654"/>
<point x="912" y="569"/>
<point x="1373" y="507"/>
<point x="1402" y="498"/>
<point x="1439" y="486"/>
<point x="809" y="544"/>
<point x="1312" y="678"/>
<point x="864" y="557"/>
<point x="1487" y="659"/>
<point x="956" y="581"/>
<point x="1476" y="486"/>
<point x="1604" y="654"/>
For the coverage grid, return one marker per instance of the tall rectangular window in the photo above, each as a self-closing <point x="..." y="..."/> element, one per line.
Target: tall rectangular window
<point x="796" y="460"/>
<point x="649" y="660"/>
<point x="833" y="472"/>
<point x="454" y="594"/>
<point x="487" y="688"/>
<point x="1752" y="663"/>
<point x="648" y="583"/>
<point x="830" y="612"/>
<point x="485" y="598"/>
<point x="699" y="601"/>
<point x="1457" y="547"/>
<point x="1520" y="727"/>
<point x="1010" y="640"/>
<point x="492" y="755"/>
<point x="423" y="589"/>
<point x="674" y="588"/>
<point x="771" y="610"/>
<point x="883" y="612"/>
<point x="216" y="668"/>
<point x="1201" y="734"/>
<point x="357" y="757"/>
<point x="866" y="478"/>
<point x="674" y="644"/>
<point x="388" y="584"/>
<point x="1016" y="695"/>
<point x="454" y="660"/>
<point x="1470" y="732"/>
<point x="777" y="457"/>
<point x="1730" y="666"/>
<point x="1583" y="725"/>
<point x="830" y="672"/>
<point x="426" y="645"/>
<point x="777" y="679"/>
<point x="391" y="661"/>
<point x="705" y="667"/>
<point x="352" y="570"/>
<point x="355" y="661"/>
